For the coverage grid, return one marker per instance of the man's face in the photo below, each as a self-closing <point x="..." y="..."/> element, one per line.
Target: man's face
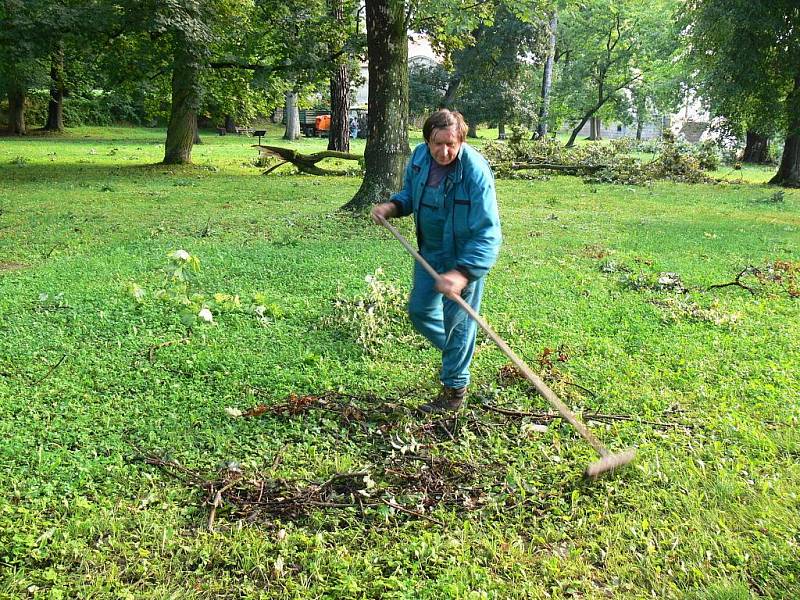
<point x="444" y="145"/>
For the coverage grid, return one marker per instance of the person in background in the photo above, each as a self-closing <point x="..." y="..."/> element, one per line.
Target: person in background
<point x="449" y="188"/>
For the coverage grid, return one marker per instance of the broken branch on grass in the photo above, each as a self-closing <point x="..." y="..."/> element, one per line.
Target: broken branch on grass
<point x="663" y="424"/>
<point x="272" y="168"/>
<point x="547" y="417"/>
<point x="306" y="162"/>
<point x="218" y="501"/>
<point x="580" y="387"/>
<point x="172" y="467"/>
<point x="342" y="476"/>
<point x="412" y="512"/>
<point x="151" y="351"/>
<point x="50" y="372"/>
<point x="750" y="270"/>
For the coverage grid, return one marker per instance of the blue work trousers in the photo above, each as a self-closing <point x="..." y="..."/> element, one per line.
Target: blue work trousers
<point x="446" y="325"/>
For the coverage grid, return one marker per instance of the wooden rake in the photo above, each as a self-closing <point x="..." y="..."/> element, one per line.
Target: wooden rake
<point x="608" y="461"/>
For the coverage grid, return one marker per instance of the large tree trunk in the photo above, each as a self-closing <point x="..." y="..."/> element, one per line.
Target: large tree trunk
<point x="55" y="108"/>
<point x="450" y="94"/>
<point x="472" y="130"/>
<point x="16" y="110"/>
<point x="230" y="124"/>
<point x="182" y="129"/>
<point x="292" y="131"/>
<point x="594" y="133"/>
<point x="640" y="103"/>
<point x="339" y="134"/>
<point x="547" y="78"/>
<point x="602" y="99"/>
<point x="571" y="141"/>
<point x="756" y="149"/>
<point x="501" y="131"/>
<point x="387" y="140"/>
<point x="788" y="174"/>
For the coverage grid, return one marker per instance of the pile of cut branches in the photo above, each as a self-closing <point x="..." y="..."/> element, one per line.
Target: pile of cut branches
<point x="598" y="162"/>
<point x="407" y="483"/>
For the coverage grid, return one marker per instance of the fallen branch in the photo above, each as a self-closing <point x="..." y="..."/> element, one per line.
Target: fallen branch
<point x="50" y="372"/>
<point x="664" y="424"/>
<point x="547" y="417"/>
<point x="305" y="162"/>
<point x="151" y="351"/>
<point x="414" y="513"/>
<point x="217" y="502"/>
<point x="737" y="282"/>
<point x="568" y="169"/>
<point x="251" y="498"/>
<point x="509" y="412"/>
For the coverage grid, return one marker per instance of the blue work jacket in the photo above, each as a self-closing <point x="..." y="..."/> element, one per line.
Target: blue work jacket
<point x="471" y="236"/>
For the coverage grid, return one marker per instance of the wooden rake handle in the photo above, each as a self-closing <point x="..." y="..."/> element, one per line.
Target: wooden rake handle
<point x="526" y="371"/>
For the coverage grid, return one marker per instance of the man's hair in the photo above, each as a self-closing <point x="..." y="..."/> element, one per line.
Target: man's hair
<point x="445" y="119"/>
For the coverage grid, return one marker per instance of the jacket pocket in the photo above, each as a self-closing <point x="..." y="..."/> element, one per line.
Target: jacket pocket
<point x="461" y="210"/>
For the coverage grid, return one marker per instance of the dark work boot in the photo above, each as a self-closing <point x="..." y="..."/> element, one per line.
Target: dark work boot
<point x="449" y="400"/>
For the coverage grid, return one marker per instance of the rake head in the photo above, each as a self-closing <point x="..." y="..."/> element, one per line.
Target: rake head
<point x="608" y="463"/>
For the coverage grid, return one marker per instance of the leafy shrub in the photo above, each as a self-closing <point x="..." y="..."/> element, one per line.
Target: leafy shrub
<point x="195" y="307"/>
<point x="93" y="108"/>
<point x="651" y="146"/>
<point x="624" y="145"/>
<point x="709" y="155"/>
<point x="678" y="160"/>
<point x="374" y="319"/>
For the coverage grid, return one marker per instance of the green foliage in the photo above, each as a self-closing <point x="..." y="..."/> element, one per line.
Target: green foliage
<point x="610" y="46"/>
<point x="92" y="109"/>
<point x="427" y="84"/>
<point x="180" y="291"/>
<point x="494" y="78"/>
<point x="738" y="59"/>
<point x="89" y="377"/>
<point x="676" y="161"/>
<point x="375" y="320"/>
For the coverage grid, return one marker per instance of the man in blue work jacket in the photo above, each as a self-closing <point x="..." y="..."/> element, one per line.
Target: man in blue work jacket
<point x="449" y="188"/>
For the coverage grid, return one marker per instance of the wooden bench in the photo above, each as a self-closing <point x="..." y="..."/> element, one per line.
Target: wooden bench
<point x="237" y="130"/>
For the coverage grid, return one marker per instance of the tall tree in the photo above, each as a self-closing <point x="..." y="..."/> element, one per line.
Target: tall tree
<point x="547" y="75"/>
<point x="428" y="82"/>
<point x="55" y="107"/>
<point x="343" y="43"/>
<point x="387" y="47"/>
<point x="747" y="60"/>
<point x="292" y="116"/>
<point x="23" y="55"/>
<point x="387" y="121"/>
<point x="186" y="25"/>
<point x="495" y="84"/>
<point x="609" y="44"/>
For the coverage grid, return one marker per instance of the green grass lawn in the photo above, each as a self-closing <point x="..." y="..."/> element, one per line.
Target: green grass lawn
<point x="705" y="383"/>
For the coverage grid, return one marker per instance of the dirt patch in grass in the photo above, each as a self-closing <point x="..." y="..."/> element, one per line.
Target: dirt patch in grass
<point x="11" y="266"/>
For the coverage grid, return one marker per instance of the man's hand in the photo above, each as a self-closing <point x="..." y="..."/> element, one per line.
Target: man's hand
<point x="387" y="210"/>
<point x="452" y="283"/>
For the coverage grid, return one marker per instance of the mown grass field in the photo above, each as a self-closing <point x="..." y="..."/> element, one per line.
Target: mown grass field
<point x="705" y="383"/>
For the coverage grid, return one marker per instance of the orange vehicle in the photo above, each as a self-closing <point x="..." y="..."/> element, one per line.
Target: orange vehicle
<point x="322" y="124"/>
